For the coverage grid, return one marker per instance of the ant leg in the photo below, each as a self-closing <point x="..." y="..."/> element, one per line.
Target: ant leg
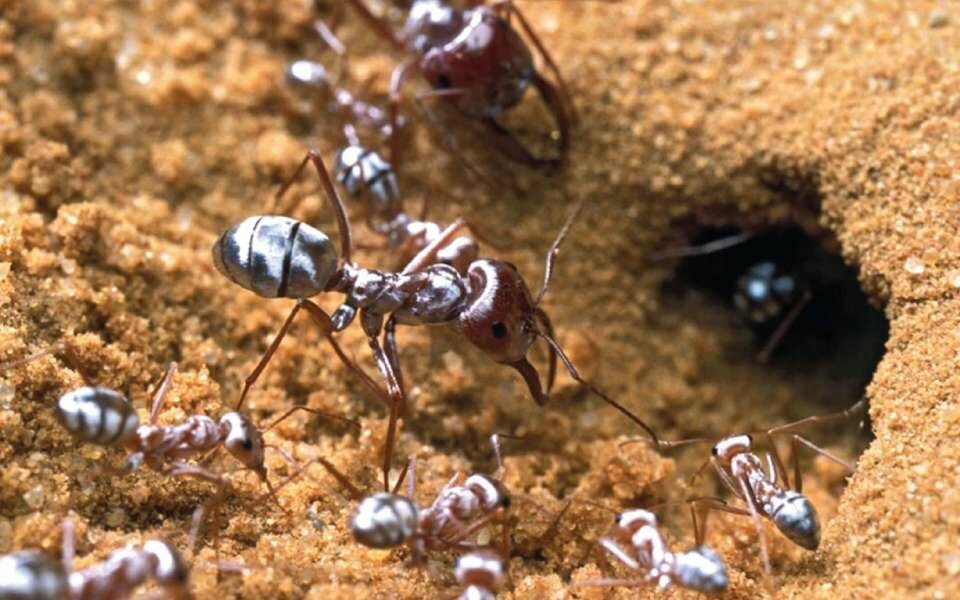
<point x="775" y="464"/>
<point x="336" y="203"/>
<point x="799" y="440"/>
<point x="161" y="392"/>
<point x="265" y="359"/>
<point x="36" y="355"/>
<point x="495" y="442"/>
<point x="69" y="547"/>
<point x="428" y="254"/>
<point x="554" y="250"/>
<point x="728" y="480"/>
<point x="393" y="354"/>
<point x="700" y="510"/>
<point x="775" y="338"/>
<point x="399" y="76"/>
<point x="611" y="546"/>
<point x="343" y="480"/>
<point x="371" y="325"/>
<point x="512" y="148"/>
<point x="510" y="8"/>
<point x="379" y="25"/>
<point x="703" y="249"/>
<point x="751" y="503"/>
<point x="556" y="107"/>
<point x="449" y="143"/>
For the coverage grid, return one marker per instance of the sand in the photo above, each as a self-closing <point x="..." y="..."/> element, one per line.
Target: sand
<point x="132" y="134"/>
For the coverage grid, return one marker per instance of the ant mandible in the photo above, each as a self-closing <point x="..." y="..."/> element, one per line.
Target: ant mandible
<point x="491" y="306"/>
<point x="31" y="574"/>
<point x="475" y="59"/>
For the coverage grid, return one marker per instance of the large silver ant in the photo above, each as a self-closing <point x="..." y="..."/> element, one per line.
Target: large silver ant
<point x="764" y="486"/>
<point x="636" y="542"/>
<point x="476" y="60"/>
<point x="32" y="575"/>
<point x="491" y="306"/>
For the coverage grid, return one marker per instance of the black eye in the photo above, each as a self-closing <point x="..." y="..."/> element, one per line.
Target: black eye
<point x="443" y="82"/>
<point x="715" y="451"/>
<point x="505" y="502"/>
<point x="499" y="330"/>
<point x="247" y="443"/>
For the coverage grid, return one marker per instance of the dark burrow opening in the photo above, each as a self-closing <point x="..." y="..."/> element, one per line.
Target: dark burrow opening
<point x="763" y="277"/>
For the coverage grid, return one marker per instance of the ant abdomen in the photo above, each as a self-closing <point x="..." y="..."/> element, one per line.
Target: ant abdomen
<point x="31" y="575"/>
<point x="764" y="292"/>
<point x="98" y="415"/>
<point x="384" y="520"/>
<point x="276" y="257"/>
<point x="361" y="171"/>
<point x="701" y="569"/>
<point x="795" y="517"/>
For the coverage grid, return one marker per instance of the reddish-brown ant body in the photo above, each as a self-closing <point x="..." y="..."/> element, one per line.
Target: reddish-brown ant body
<point x="475" y="59"/>
<point x="490" y="306"/>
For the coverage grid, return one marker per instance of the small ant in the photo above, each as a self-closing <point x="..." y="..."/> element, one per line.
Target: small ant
<point x="32" y="575"/>
<point x="480" y="63"/>
<point x="387" y="520"/>
<point x="105" y="417"/>
<point x="365" y="174"/>
<point x="699" y="569"/>
<point x="766" y="493"/>
<point x="481" y="573"/>
<point x="491" y="306"/>
<point x="766" y="293"/>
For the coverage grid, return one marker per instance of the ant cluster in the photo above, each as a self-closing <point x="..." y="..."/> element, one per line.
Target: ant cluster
<point x="476" y="60"/>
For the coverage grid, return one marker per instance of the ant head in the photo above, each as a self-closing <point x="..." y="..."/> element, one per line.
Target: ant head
<point x="729" y="447"/>
<point x="632" y="520"/>
<point x="499" y="318"/>
<point x="492" y="493"/>
<point x="243" y="441"/>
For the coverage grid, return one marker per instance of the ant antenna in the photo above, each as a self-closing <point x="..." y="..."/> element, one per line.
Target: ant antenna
<point x="709" y="248"/>
<point x="554" y="250"/>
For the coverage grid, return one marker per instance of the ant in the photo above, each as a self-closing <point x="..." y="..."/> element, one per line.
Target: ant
<point x="387" y="520"/>
<point x="365" y="174"/>
<point x="699" y="569"/>
<point x="481" y="573"/>
<point x="477" y="61"/>
<point x="769" y="296"/>
<point x="105" y="417"/>
<point x="766" y="493"/>
<point x="491" y="306"/>
<point x="32" y="575"/>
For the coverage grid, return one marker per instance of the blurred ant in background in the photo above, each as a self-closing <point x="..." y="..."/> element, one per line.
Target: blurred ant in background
<point x="800" y="299"/>
<point x="476" y="60"/>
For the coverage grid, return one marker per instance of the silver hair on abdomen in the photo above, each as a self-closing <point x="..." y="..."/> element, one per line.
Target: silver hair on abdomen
<point x="276" y="257"/>
<point x="98" y="415"/>
<point x="384" y="520"/>
<point x="31" y="575"/>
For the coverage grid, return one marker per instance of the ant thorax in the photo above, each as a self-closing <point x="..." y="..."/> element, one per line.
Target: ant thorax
<point x="434" y="295"/>
<point x="198" y="433"/>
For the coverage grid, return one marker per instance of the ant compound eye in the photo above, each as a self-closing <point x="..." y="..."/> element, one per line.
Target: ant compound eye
<point x="715" y="451"/>
<point x="443" y="82"/>
<point x="499" y="330"/>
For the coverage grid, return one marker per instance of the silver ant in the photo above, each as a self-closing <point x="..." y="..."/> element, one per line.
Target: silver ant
<point x="32" y="575"/>
<point x="636" y="542"/>
<point x="366" y="175"/>
<point x="764" y="485"/>
<point x="491" y="306"/>
<point x="388" y="520"/>
<point x="105" y="417"/>
<point x="481" y="573"/>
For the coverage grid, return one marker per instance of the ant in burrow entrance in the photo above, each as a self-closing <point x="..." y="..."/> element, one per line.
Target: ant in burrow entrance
<point x="476" y="60"/>
<point x="766" y="493"/>
<point x="637" y="542"/>
<point x="31" y="574"/>
<point x="105" y="417"/>
<point x="787" y="284"/>
<point x="491" y="306"/>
